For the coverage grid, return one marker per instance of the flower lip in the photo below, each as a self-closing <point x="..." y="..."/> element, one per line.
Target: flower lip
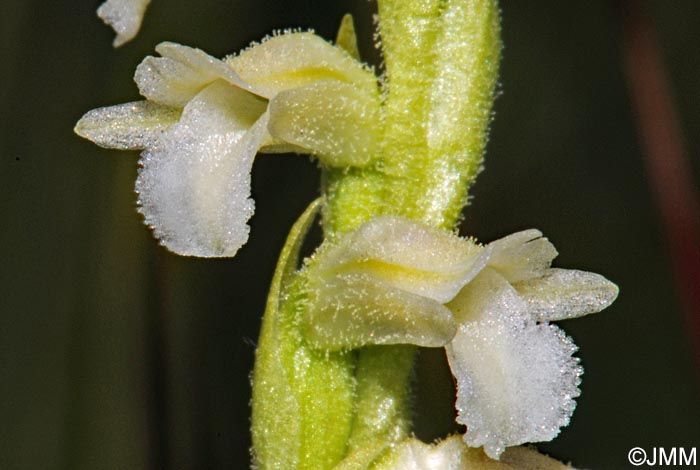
<point x="205" y="119"/>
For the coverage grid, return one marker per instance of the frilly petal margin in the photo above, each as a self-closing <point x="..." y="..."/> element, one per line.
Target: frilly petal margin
<point x="516" y="382"/>
<point x="194" y="185"/>
<point x="124" y="16"/>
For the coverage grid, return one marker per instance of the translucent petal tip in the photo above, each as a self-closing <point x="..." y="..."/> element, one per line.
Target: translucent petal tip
<point x="124" y="16"/>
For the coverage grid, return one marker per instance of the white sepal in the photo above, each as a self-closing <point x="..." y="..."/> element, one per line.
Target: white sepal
<point x="128" y="126"/>
<point x="407" y="255"/>
<point x="331" y="119"/>
<point x="182" y="72"/>
<point x="566" y="293"/>
<point x="354" y="310"/>
<point x="522" y="255"/>
<point x="292" y="60"/>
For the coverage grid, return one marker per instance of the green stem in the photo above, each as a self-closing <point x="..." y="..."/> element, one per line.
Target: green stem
<point x="442" y="63"/>
<point x="309" y="408"/>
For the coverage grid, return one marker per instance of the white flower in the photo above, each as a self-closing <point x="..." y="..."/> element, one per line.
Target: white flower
<point x="205" y="119"/>
<point x="453" y="454"/>
<point x="124" y="16"/>
<point x="386" y="283"/>
<point x="516" y="377"/>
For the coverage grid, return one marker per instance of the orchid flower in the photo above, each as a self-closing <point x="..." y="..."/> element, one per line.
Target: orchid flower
<point x="396" y="281"/>
<point x="453" y="454"/>
<point x="204" y="119"/>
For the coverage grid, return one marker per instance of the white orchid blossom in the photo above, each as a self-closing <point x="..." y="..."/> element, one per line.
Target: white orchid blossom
<point x="124" y="16"/>
<point x="204" y="120"/>
<point x="453" y="454"/>
<point x="397" y="281"/>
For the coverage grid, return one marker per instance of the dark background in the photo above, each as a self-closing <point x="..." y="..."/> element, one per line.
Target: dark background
<point x="115" y="354"/>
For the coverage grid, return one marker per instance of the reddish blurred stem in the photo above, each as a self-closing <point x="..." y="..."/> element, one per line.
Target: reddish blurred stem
<point x="669" y="173"/>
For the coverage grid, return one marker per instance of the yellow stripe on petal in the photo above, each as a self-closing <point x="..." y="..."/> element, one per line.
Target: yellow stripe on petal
<point x="296" y="59"/>
<point x="407" y="255"/>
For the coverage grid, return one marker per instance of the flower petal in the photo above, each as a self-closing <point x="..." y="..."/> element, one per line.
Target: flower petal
<point x="566" y="293"/>
<point x="194" y="186"/>
<point x="407" y="255"/>
<point x="412" y="454"/>
<point x="516" y="382"/>
<point x="453" y="454"/>
<point x="128" y="126"/>
<point x="295" y="59"/>
<point x="181" y="73"/>
<point x="522" y="255"/>
<point x="124" y="16"/>
<point x="200" y="60"/>
<point x="332" y="119"/>
<point x="489" y="296"/>
<point x="356" y="310"/>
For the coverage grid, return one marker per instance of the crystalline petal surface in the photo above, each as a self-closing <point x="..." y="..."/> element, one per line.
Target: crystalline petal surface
<point x="194" y="186"/>
<point x="180" y="74"/>
<point x="331" y="119"/>
<point x="297" y="59"/>
<point x="566" y="293"/>
<point x="128" y="126"/>
<point x="522" y="255"/>
<point x="516" y="382"/>
<point x="124" y="16"/>
<point x="407" y="255"/>
<point x="359" y="310"/>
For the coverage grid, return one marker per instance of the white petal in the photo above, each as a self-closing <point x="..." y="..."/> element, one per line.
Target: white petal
<point x="194" y="186"/>
<point x="356" y="310"/>
<point x="453" y="454"/>
<point x="408" y="255"/>
<point x="128" y="126"/>
<point x="516" y="382"/>
<point x="180" y="74"/>
<point x="124" y="16"/>
<point x="489" y="296"/>
<point x="412" y="454"/>
<point x="566" y="293"/>
<point x="200" y="60"/>
<point x="296" y="59"/>
<point x="332" y="119"/>
<point x="522" y="255"/>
